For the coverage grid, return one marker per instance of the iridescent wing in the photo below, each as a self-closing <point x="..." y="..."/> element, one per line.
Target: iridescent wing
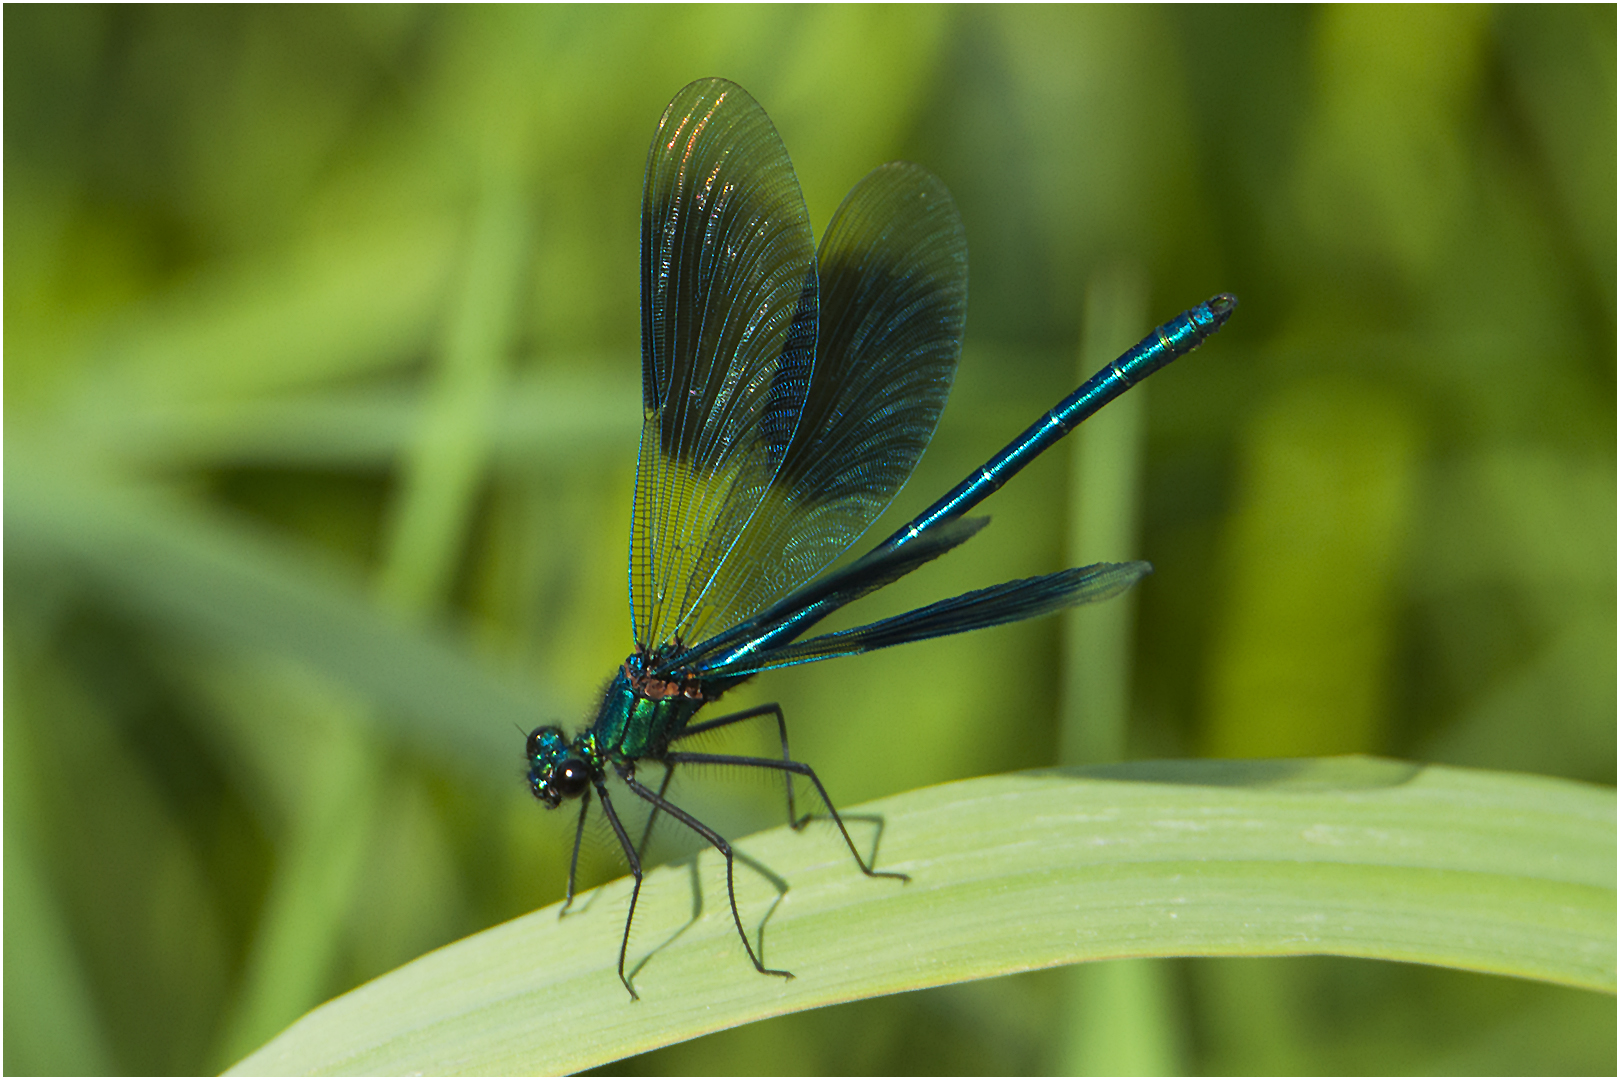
<point x="728" y="312"/>
<point x="893" y="269"/>
<point x="732" y="523"/>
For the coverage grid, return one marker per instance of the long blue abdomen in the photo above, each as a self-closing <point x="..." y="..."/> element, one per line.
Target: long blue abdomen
<point x="1175" y="338"/>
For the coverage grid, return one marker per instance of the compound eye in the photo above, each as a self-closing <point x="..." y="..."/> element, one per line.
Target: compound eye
<point x="570" y="779"/>
<point x="540" y="738"/>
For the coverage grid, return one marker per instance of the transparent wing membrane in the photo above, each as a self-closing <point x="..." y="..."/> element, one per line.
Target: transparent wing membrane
<point x="728" y="313"/>
<point x="893" y="275"/>
<point x="785" y="406"/>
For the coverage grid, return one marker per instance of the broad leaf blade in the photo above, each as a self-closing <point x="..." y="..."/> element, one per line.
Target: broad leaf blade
<point x="1360" y="857"/>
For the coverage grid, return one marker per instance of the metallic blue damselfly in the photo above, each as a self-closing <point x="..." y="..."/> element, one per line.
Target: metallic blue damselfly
<point x="787" y="394"/>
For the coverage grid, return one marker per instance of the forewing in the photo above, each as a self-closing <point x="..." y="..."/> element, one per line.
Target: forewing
<point x="893" y="299"/>
<point x="728" y="317"/>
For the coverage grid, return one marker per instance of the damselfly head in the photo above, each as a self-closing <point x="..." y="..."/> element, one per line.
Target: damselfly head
<point x="557" y="771"/>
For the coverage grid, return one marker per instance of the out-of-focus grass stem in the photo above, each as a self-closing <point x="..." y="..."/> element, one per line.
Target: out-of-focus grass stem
<point x="1119" y="1019"/>
<point x="443" y="467"/>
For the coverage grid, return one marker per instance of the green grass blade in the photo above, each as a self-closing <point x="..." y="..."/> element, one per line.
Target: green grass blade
<point x="227" y="583"/>
<point x="1489" y="872"/>
<point x="536" y="417"/>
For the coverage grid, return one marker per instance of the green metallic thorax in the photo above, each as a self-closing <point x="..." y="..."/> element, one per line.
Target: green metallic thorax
<point x="629" y="725"/>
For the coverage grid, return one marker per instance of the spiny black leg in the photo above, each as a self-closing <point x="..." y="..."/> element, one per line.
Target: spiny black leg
<point x="801" y="769"/>
<point x="573" y="861"/>
<point x="773" y="709"/>
<point x="646" y="834"/>
<point x="635" y="871"/>
<point x="720" y="845"/>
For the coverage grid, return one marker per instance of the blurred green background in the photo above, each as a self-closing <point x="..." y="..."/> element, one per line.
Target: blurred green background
<point x="321" y="404"/>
